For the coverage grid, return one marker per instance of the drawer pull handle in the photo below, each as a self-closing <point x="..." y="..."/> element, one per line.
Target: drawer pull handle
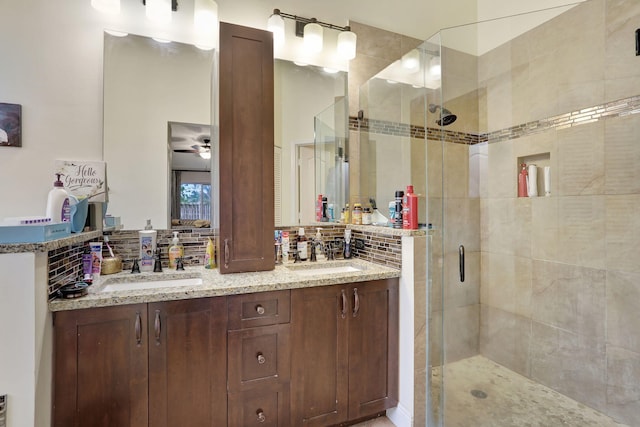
<point x="226" y="253"/>
<point x="356" y="302"/>
<point x="344" y="304"/>
<point x="259" y="309"/>
<point x="157" y="327"/>
<point x="261" y="417"/>
<point x="261" y="359"/>
<point x="138" y="328"/>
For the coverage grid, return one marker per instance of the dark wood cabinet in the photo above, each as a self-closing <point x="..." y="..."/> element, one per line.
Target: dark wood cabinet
<point x="345" y="358"/>
<point x="159" y="365"/>
<point x="246" y="206"/>
<point x="101" y="367"/>
<point x="187" y="363"/>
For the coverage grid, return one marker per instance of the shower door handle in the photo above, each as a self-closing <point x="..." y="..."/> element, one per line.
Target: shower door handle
<point x="461" y="261"/>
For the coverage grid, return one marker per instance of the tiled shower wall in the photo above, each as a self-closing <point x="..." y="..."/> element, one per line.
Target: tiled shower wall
<point x="560" y="286"/>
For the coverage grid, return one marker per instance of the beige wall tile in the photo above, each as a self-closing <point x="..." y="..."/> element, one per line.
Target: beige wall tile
<point x="544" y="228"/>
<point x="456" y="172"/>
<point x="622" y="155"/>
<point x="572" y="364"/>
<point x="623" y="233"/>
<point x="581" y="160"/>
<point x="502" y="170"/>
<point x="623" y="387"/>
<point x="581" y="231"/>
<point x="570" y="298"/>
<point x="506" y="226"/>
<point x="461" y="332"/>
<point x="623" y="310"/>
<point x="457" y="293"/>
<point x="504" y="338"/>
<point x="622" y="18"/>
<point x="506" y="283"/>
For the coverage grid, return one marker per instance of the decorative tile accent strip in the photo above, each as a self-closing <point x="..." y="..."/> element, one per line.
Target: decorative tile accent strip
<point x="619" y="108"/>
<point x="65" y="266"/>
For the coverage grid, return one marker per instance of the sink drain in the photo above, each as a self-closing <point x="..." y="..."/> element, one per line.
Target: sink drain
<point x="479" y="394"/>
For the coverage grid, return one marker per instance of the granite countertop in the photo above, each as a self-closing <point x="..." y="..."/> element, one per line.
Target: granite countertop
<point x="14" y="248"/>
<point x="289" y="276"/>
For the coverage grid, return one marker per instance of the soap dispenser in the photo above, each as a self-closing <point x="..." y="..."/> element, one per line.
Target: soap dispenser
<point x="319" y="245"/>
<point x="58" y="204"/>
<point x="176" y="251"/>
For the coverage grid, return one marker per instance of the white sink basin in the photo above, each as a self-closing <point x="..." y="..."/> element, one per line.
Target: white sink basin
<point x="151" y="284"/>
<point x="323" y="270"/>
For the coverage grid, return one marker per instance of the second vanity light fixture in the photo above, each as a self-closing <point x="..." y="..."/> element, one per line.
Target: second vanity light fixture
<point x="312" y="32"/>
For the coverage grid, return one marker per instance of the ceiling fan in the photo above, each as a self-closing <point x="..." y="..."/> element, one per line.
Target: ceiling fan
<point x="201" y="148"/>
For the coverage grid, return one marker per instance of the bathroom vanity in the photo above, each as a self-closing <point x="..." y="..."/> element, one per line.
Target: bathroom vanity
<point x="288" y="347"/>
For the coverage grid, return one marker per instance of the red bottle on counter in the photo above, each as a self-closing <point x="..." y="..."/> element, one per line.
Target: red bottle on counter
<point x="410" y="210"/>
<point x="319" y="208"/>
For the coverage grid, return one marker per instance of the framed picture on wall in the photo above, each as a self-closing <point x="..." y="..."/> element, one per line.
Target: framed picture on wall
<point x="10" y="125"/>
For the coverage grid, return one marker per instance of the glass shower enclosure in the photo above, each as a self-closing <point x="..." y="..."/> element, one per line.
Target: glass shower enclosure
<point x="530" y="316"/>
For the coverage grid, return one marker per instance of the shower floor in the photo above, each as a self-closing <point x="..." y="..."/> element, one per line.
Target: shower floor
<point x="511" y="399"/>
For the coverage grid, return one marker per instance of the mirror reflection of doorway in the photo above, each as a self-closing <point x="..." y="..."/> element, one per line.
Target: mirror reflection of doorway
<point x="305" y="183"/>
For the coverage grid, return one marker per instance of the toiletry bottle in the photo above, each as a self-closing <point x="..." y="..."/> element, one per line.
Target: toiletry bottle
<point x="317" y="242"/>
<point x="285" y="247"/>
<point x="319" y="208"/>
<point x="148" y="240"/>
<point x="347" y="244"/>
<point x="96" y="258"/>
<point x="176" y="250"/>
<point x="87" y="265"/>
<point x="522" y="181"/>
<point x="325" y="214"/>
<point x="356" y="215"/>
<point x="210" y="255"/>
<point x="330" y="212"/>
<point x="410" y="210"/>
<point x="58" y="204"/>
<point x="302" y="245"/>
<point x="397" y="211"/>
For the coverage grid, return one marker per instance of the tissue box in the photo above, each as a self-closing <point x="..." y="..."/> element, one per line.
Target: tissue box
<point x="34" y="233"/>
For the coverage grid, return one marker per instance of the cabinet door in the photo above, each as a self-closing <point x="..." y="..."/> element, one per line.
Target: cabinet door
<point x="246" y="149"/>
<point x="100" y="367"/>
<point x="187" y="363"/>
<point x="319" y="371"/>
<point x="373" y="347"/>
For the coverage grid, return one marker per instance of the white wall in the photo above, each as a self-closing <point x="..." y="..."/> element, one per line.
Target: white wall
<point x="25" y="334"/>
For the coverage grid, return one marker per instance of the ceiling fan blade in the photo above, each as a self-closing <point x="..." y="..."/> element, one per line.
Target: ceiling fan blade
<point x="186" y="151"/>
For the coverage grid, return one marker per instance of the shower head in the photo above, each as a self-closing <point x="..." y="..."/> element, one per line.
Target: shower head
<point x="446" y="116"/>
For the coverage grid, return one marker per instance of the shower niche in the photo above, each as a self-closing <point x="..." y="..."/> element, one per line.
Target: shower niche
<point x="541" y="163"/>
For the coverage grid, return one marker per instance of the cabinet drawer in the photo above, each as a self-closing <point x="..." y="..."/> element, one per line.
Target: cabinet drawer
<point x="258" y="309"/>
<point x="264" y="407"/>
<point x="257" y="356"/>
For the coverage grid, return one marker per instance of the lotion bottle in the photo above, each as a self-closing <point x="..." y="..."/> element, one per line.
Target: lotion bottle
<point x="58" y="206"/>
<point x="176" y="250"/>
<point x="522" y="181"/>
<point x="210" y="255"/>
<point x="147" y="248"/>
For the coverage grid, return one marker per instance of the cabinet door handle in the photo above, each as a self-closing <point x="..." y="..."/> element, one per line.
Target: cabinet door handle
<point x="461" y="261"/>
<point x="138" y="328"/>
<point x="226" y="253"/>
<point x="356" y="302"/>
<point x="344" y="303"/>
<point x="260" y="416"/>
<point x="261" y="359"/>
<point x="259" y="309"/>
<point x="157" y="326"/>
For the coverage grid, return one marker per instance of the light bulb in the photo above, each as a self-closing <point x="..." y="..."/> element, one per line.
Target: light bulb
<point x="110" y="7"/>
<point x="347" y="44"/>
<point x="275" y="24"/>
<point x="313" y="37"/>
<point x="205" y="15"/>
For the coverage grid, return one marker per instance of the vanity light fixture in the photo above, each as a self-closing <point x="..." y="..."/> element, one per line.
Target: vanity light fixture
<point x="159" y="11"/>
<point x="411" y="60"/>
<point x="205" y="154"/>
<point x="110" y="7"/>
<point x="312" y="32"/>
<point x="205" y="15"/>
<point x="435" y="67"/>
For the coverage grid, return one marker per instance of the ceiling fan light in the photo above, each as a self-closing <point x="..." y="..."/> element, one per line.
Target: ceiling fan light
<point x="347" y="44"/>
<point x="110" y="7"/>
<point x="312" y="37"/>
<point x="205" y="154"/>
<point x="158" y="11"/>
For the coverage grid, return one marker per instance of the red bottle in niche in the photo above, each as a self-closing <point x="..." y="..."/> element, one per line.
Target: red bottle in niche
<point x="522" y="181"/>
<point x="410" y="210"/>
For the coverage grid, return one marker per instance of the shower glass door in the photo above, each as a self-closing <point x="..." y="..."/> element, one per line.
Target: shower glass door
<point x="535" y="281"/>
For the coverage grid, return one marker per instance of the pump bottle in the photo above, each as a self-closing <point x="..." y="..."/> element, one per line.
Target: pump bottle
<point x="410" y="210"/>
<point x="176" y="250"/>
<point x="58" y="206"/>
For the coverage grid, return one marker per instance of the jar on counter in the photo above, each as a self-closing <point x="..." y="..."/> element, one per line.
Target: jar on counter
<point x="357" y="214"/>
<point x="367" y="216"/>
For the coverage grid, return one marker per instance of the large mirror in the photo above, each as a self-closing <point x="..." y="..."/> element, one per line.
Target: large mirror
<point x="157" y="110"/>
